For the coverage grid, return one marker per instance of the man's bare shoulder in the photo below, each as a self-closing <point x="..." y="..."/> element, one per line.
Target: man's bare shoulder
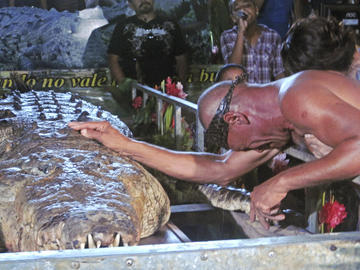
<point x="312" y="85"/>
<point x="303" y="93"/>
<point x="297" y="85"/>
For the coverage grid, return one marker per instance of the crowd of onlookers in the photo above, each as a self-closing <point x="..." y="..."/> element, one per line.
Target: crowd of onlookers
<point x="252" y="36"/>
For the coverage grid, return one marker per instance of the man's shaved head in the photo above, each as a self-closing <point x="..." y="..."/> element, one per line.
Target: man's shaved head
<point x="209" y="101"/>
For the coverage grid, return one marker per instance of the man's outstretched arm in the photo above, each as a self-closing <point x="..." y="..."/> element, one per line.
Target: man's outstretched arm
<point x="189" y="166"/>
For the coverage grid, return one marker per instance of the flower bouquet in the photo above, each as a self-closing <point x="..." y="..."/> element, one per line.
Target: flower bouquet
<point x="145" y="116"/>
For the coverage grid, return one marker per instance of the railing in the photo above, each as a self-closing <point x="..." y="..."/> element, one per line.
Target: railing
<point x="178" y="103"/>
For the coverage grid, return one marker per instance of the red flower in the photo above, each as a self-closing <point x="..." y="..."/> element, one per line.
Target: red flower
<point x="137" y="102"/>
<point x="332" y="214"/>
<point x="171" y="87"/>
<point x="174" y="89"/>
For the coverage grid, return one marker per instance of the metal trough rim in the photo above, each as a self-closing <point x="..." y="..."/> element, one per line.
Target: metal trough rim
<point x="325" y="251"/>
<point x="273" y="242"/>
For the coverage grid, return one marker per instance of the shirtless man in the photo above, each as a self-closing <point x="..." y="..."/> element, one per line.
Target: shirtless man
<point x="319" y="99"/>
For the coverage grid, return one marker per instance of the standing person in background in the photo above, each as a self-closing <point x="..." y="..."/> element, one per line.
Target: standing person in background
<point x="276" y="14"/>
<point x="147" y="47"/>
<point x="254" y="46"/>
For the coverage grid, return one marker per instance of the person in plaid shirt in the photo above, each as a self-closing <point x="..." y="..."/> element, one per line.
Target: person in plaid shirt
<point x="253" y="45"/>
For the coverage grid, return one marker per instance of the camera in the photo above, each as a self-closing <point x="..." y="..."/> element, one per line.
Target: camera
<point x="241" y="15"/>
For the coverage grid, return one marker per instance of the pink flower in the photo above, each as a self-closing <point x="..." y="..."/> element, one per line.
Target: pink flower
<point x="179" y="86"/>
<point x="181" y="93"/>
<point x="332" y="214"/>
<point x="214" y="49"/>
<point x="137" y="102"/>
<point x="171" y="87"/>
<point x="279" y="163"/>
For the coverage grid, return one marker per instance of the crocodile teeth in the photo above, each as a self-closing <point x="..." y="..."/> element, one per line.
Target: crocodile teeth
<point x="91" y="243"/>
<point x="98" y="243"/>
<point x="117" y="240"/>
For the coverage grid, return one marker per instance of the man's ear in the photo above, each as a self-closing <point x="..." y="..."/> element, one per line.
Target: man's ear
<point x="236" y="118"/>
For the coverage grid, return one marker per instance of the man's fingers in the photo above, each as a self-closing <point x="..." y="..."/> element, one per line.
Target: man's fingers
<point x="252" y="212"/>
<point x="76" y="125"/>
<point x="274" y="217"/>
<point x="85" y="133"/>
<point x="264" y="215"/>
<point x="275" y="211"/>
<point x="263" y="221"/>
<point x="101" y="126"/>
<point x="91" y="133"/>
<point x="273" y="214"/>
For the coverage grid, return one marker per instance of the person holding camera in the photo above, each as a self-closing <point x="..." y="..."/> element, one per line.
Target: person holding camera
<point x="255" y="46"/>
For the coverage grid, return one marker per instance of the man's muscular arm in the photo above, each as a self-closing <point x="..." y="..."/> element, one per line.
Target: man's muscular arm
<point x="334" y="122"/>
<point x="189" y="166"/>
<point x="237" y="52"/>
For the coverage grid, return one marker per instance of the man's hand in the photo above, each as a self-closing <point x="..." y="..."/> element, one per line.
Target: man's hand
<point x="242" y="25"/>
<point x="265" y="203"/>
<point x="103" y="132"/>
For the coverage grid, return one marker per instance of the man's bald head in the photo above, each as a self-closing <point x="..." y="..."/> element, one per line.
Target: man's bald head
<point x="209" y="101"/>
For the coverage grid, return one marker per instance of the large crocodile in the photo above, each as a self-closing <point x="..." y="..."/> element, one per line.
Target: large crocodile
<point x="60" y="190"/>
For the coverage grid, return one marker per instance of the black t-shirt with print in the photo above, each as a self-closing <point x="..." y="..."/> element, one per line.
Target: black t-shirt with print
<point x="153" y="45"/>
